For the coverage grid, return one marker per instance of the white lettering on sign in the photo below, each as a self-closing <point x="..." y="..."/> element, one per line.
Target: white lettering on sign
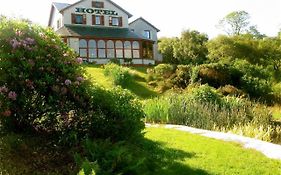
<point x="96" y="11"/>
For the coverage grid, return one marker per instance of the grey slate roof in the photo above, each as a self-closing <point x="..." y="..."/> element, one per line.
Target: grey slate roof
<point x="98" y="32"/>
<point x="140" y="18"/>
<point x="59" y="6"/>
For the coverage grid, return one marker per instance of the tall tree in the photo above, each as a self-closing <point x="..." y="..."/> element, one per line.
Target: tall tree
<point x="166" y="48"/>
<point x="235" y="22"/>
<point x="191" y="47"/>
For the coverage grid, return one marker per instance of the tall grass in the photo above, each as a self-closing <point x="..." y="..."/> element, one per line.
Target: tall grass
<point x="227" y="114"/>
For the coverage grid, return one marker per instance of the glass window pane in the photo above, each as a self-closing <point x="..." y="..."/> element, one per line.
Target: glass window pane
<point x="147" y="34"/>
<point x="101" y="53"/>
<point x="93" y="53"/>
<point x="78" y="19"/>
<point x="110" y="44"/>
<point x="83" y="52"/>
<point x="92" y="44"/>
<point x="136" y="45"/>
<point x="83" y="43"/>
<point x="128" y="53"/>
<point x="115" y="21"/>
<point x="119" y="45"/>
<point x="110" y="53"/>
<point x="136" y="54"/>
<point x="127" y="45"/>
<point x="101" y="44"/>
<point x="119" y="53"/>
<point x="98" y="20"/>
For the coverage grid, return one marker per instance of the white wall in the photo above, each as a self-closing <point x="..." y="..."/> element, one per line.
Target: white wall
<point x="139" y="27"/>
<point x="88" y="4"/>
<point x="56" y="16"/>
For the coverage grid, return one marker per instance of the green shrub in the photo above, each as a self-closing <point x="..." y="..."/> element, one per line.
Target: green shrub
<point x="163" y="71"/>
<point x="43" y="91"/>
<point x="182" y="76"/>
<point x="107" y="158"/>
<point x="256" y="88"/>
<point x="205" y="94"/>
<point x="41" y="79"/>
<point x="119" y="116"/>
<point x="217" y="75"/>
<point x="120" y="75"/>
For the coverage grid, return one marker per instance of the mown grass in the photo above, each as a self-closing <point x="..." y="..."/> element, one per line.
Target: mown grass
<point x="209" y="156"/>
<point x="162" y="152"/>
<point x="138" y="86"/>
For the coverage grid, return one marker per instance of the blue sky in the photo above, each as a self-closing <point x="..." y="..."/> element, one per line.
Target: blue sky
<point x="171" y="17"/>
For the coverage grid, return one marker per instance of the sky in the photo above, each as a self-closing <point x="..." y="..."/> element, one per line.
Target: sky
<point x="171" y="17"/>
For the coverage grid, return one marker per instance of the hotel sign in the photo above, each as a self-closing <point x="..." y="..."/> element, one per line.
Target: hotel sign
<point x="96" y="11"/>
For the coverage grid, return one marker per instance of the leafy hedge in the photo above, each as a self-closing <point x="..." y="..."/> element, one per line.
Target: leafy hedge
<point x="43" y="90"/>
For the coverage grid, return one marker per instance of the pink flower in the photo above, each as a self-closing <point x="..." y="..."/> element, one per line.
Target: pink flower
<point x="79" y="60"/>
<point x="29" y="84"/>
<point x="80" y="79"/>
<point x="7" y="113"/>
<point x="67" y="82"/>
<point x="18" y="32"/>
<point x="65" y="54"/>
<point x="12" y="95"/>
<point x="29" y="41"/>
<point x="15" y="43"/>
<point x="3" y="89"/>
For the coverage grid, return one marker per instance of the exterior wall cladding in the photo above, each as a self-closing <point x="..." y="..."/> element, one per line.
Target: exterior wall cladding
<point x="102" y="33"/>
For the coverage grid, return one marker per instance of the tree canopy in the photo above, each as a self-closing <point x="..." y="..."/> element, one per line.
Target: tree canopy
<point x="235" y="22"/>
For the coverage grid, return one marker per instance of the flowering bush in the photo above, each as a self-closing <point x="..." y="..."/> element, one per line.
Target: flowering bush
<point x="43" y="90"/>
<point x="41" y="80"/>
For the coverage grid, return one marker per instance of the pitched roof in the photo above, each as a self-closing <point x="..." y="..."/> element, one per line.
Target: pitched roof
<point x="113" y="3"/>
<point x="59" y="6"/>
<point x="98" y="32"/>
<point x="140" y="18"/>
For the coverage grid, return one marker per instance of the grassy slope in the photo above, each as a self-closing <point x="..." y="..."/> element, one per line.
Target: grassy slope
<point x="166" y="152"/>
<point x="195" y="154"/>
<point x="139" y="87"/>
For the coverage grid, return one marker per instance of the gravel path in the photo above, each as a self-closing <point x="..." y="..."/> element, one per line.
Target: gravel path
<point x="268" y="149"/>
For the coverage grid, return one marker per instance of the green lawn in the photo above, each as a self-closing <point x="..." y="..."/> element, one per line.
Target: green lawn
<point x="162" y="152"/>
<point x="192" y="154"/>
<point x="139" y="86"/>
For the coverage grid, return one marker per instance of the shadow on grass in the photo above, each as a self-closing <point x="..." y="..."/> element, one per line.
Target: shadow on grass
<point x="140" y="90"/>
<point x="161" y="160"/>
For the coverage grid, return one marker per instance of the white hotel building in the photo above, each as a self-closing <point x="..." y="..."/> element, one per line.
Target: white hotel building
<point x="100" y="31"/>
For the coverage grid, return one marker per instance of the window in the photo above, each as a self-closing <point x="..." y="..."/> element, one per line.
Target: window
<point x="98" y="20"/>
<point x="147" y="50"/>
<point x="127" y="49"/>
<point x="136" y="49"/>
<point x="101" y="49"/>
<point x="110" y="49"/>
<point x="147" y="34"/>
<point x="119" y="49"/>
<point x="83" y="48"/>
<point x="92" y="49"/>
<point x="58" y="24"/>
<point x="115" y="21"/>
<point x="78" y="19"/>
<point x="97" y="4"/>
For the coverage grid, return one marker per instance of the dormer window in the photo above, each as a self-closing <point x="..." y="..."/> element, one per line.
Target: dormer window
<point x="97" y="4"/>
<point x="78" y="19"/>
